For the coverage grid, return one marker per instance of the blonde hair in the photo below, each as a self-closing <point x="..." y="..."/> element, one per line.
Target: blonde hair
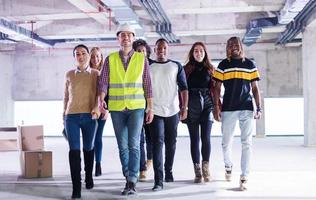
<point x="228" y="49"/>
<point x="102" y="61"/>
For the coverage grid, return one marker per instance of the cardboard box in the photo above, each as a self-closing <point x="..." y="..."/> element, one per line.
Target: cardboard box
<point x="8" y="139"/>
<point x="36" y="164"/>
<point x="9" y="145"/>
<point x="31" y="138"/>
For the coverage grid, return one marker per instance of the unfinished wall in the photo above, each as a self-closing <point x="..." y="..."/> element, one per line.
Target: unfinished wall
<point x="40" y="75"/>
<point x="6" y="102"/>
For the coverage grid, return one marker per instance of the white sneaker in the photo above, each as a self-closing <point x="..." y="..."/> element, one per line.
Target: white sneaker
<point x="228" y="173"/>
<point x="243" y="183"/>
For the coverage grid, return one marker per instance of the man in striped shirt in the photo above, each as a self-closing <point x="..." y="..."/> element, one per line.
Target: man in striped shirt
<point x="240" y="77"/>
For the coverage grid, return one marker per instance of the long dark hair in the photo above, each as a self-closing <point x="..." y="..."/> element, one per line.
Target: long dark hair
<point x="79" y="46"/>
<point x="191" y="62"/>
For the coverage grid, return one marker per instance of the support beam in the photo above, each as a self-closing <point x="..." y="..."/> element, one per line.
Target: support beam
<point x="90" y="10"/>
<point x="21" y="34"/>
<point x="217" y="10"/>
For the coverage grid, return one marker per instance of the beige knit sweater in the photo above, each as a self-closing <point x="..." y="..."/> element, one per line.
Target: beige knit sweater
<point x="80" y="95"/>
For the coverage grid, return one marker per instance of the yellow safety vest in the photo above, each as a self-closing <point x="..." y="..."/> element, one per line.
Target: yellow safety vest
<point x="126" y="87"/>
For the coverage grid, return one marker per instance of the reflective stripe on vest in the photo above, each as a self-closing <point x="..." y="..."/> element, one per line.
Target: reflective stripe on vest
<point x="126" y="87"/>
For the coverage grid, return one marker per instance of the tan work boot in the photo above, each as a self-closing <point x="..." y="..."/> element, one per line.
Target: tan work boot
<point x="206" y="171"/>
<point x="149" y="164"/>
<point x="198" y="174"/>
<point x="142" y="176"/>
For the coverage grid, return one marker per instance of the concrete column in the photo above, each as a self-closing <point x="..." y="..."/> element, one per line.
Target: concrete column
<point x="309" y="82"/>
<point x="260" y="58"/>
<point x="6" y="101"/>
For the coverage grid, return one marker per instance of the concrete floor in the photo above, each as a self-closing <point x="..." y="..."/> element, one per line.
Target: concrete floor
<point x="282" y="169"/>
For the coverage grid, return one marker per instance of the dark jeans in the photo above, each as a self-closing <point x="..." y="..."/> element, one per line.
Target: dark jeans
<point x="204" y="135"/>
<point x="199" y="121"/>
<point x="73" y="124"/>
<point x="163" y="130"/>
<point x="98" y="140"/>
<point x="145" y="135"/>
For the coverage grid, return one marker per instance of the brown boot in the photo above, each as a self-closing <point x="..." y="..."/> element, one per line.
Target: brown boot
<point x="142" y="176"/>
<point x="206" y="171"/>
<point x="198" y="174"/>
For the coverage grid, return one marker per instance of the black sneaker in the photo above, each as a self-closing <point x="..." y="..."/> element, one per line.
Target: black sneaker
<point x="125" y="190"/>
<point x="169" y="177"/>
<point x="131" y="188"/>
<point x="157" y="187"/>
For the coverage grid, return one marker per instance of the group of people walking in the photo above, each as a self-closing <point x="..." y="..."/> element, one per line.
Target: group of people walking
<point x="147" y="99"/>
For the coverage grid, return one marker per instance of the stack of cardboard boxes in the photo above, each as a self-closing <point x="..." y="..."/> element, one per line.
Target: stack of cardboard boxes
<point x="35" y="161"/>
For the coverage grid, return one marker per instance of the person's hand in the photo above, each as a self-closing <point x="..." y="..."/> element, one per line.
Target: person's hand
<point x="102" y="106"/>
<point x="258" y="114"/>
<point x="183" y="113"/>
<point x="94" y="114"/>
<point x="217" y="113"/>
<point x="105" y="115"/>
<point x="149" y="116"/>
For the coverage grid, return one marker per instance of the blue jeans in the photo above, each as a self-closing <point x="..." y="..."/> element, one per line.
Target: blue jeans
<point x="163" y="130"/>
<point x="73" y="124"/>
<point x="98" y="140"/>
<point x="127" y="127"/>
<point x="246" y="120"/>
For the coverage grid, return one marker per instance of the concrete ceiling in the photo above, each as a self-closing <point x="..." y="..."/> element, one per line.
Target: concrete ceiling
<point x="95" y="21"/>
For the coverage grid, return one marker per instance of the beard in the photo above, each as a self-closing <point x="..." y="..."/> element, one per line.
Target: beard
<point x="235" y="53"/>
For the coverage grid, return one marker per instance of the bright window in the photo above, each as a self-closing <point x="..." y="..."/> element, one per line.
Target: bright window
<point x="283" y="116"/>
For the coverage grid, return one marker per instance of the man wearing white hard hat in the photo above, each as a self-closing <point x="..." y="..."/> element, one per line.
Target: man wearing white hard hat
<point x="126" y="80"/>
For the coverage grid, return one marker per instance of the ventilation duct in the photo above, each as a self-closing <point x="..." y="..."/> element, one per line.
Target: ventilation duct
<point x="290" y="10"/>
<point x="3" y="36"/>
<point x="298" y="24"/>
<point x="254" y="29"/>
<point x="18" y="33"/>
<point x="160" y="19"/>
<point x="124" y="13"/>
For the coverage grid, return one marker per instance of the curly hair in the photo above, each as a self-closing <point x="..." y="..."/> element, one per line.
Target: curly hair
<point x="141" y="42"/>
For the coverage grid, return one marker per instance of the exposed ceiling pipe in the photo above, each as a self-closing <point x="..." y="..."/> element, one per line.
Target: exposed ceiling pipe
<point x="18" y="33"/>
<point x="3" y="36"/>
<point x="254" y="29"/>
<point x="160" y="19"/>
<point x="290" y="10"/>
<point x="298" y="24"/>
<point x="123" y="12"/>
<point x="77" y="40"/>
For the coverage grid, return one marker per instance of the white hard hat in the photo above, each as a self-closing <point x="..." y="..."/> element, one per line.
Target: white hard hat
<point x="125" y="28"/>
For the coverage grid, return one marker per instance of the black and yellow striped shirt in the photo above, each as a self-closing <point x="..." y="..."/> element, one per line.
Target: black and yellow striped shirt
<point x="236" y="76"/>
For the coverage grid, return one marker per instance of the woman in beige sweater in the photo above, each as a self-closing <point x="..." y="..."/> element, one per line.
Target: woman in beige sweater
<point x="81" y="112"/>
